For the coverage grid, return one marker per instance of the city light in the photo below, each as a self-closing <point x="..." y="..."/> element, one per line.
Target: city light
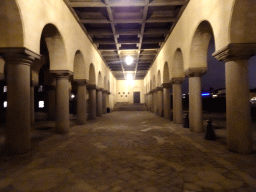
<point x="41" y="104"/>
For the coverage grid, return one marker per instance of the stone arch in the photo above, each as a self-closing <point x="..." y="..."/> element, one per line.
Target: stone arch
<point x="199" y="45"/>
<point x="166" y="73"/>
<point x="154" y="82"/>
<point x="99" y="80"/>
<point x="243" y="22"/>
<point x="177" y="64"/>
<point x="79" y="66"/>
<point x="11" y="28"/>
<point x="105" y="83"/>
<point x="56" y="47"/>
<point x="108" y="88"/>
<point x="150" y="85"/>
<point x="92" y="79"/>
<point x="158" y="78"/>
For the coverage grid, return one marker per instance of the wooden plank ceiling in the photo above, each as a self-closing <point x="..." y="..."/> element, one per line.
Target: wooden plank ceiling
<point x="119" y="28"/>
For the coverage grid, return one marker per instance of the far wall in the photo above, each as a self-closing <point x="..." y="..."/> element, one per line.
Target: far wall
<point x="125" y="89"/>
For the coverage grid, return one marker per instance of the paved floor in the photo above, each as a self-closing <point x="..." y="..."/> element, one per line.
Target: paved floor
<point x="127" y="151"/>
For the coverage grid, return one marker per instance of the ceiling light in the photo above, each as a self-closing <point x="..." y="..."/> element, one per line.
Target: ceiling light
<point x="129" y="77"/>
<point x="128" y="60"/>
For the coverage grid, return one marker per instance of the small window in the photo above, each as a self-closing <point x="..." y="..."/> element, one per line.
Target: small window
<point x="5" y="89"/>
<point x="40" y="88"/>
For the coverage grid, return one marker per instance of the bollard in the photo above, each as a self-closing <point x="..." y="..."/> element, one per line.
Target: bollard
<point x="186" y="121"/>
<point x="210" y="134"/>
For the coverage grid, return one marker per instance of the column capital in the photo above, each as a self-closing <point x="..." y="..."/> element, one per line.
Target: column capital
<point x="91" y="86"/>
<point x="99" y="89"/>
<point x="104" y="91"/>
<point x="195" y="71"/>
<point x="81" y="81"/>
<point x="167" y="85"/>
<point x="62" y="73"/>
<point x="177" y="80"/>
<point x="235" y="51"/>
<point x="159" y="88"/>
<point x="12" y="52"/>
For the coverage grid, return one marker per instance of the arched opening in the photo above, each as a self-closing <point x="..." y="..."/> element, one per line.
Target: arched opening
<point x="166" y="78"/>
<point x="158" y="78"/>
<point x="56" y="47"/>
<point x="154" y="82"/>
<point x="99" y="80"/>
<point x="92" y="79"/>
<point x="105" y="83"/>
<point x="79" y="66"/>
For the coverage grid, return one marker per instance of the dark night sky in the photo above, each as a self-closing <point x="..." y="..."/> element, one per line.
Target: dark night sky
<point x="215" y="76"/>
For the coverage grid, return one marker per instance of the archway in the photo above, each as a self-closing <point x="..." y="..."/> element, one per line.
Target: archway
<point x="198" y="67"/>
<point x="92" y="79"/>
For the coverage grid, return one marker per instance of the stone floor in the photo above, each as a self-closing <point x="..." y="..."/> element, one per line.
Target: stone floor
<point x="127" y="151"/>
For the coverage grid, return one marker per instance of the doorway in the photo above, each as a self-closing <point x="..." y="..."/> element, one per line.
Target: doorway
<point x="136" y="97"/>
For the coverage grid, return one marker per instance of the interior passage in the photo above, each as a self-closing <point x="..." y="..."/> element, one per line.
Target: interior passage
<point x="126" y="151"/>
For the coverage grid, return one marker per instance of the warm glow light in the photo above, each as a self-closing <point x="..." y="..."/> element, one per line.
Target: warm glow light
<point x="41" y="104"/>
<point x="129" y="77"/>
<point x="72" y="96"/>
<point x="5" y="104"/>
<point x="128" y="60"/>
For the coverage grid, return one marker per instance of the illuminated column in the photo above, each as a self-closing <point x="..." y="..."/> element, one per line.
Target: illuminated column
<point x="177" y="99"/>
<point x="239" y="131"/>
<point x="195" y="99"/>
<point x="104" y="101"/>
<point x="99" y="102"/>
<point x="18" y="138"/>
<point x="107" y="100"/>
<point x="167" y="100"/>
<point x="159" y="101"/>
<point x="62" y="101"/>
<point x="155" y="101"/>
<point x="92" y="101"/>
<point x="81" y="101"/>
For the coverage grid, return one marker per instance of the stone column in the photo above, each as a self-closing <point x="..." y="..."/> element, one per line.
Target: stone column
<point x="239" y="130"/>
<point x="99" y="102"/>
<point x="81" y="101"/>
<point x="104" y="101"/>
<point x="167" y="100"/>
<point x="62" y="101"/>
<point x="159" y="101"/>
<point x="195" y="99"/>
<point x="155" y="100"/>
<point x="107" y="100"/>
<point x="18" y="138"/>
<point x="92" y="101"/>
<point x="50" y="101"/>
<point x="177" y="99"/>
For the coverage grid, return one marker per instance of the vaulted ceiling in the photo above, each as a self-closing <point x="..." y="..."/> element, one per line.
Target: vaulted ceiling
<point x="119" y="28"/>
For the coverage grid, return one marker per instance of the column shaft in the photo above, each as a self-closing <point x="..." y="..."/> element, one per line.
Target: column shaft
<point x="62" y="104"/>
<point x="167" y="103"/>
<point x="195" y="105"/>
<point x="92" y="104"/>
<point x="160" y="102"/>
<point x="239" y="131"/>
<point x="99" y="103"/>
<point x="18" y="100"/>
<point x="81" y="103"/>
<point x="104" y="102"/>
<point x="177" y="103"/>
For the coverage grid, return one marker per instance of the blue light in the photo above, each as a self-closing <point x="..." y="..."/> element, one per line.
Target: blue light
<point x="206" y="94"/>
